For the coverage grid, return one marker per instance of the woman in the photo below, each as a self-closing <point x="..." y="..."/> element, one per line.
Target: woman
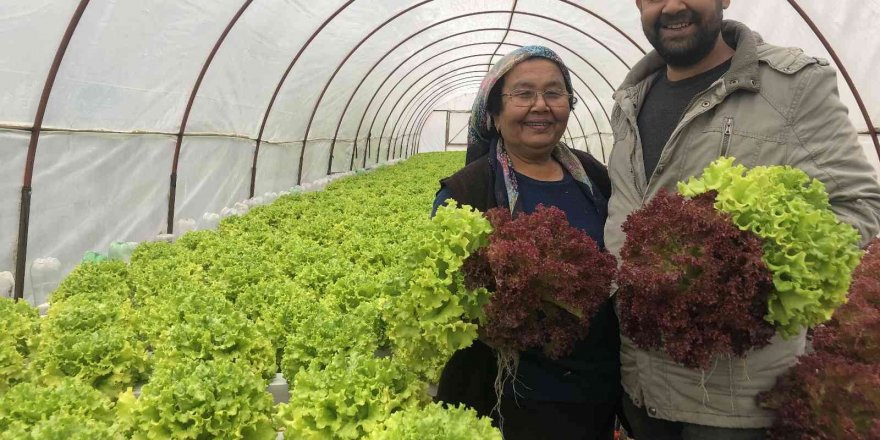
<point x="515" y="159"/>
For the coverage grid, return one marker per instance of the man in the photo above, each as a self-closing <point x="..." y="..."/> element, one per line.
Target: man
<point x="713" y="88"/>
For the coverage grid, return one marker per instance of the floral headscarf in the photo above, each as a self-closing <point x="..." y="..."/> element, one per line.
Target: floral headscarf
<point x="484" y="139"/>
<point x="481" y="131"/>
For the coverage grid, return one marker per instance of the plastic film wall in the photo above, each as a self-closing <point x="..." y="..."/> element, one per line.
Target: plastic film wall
<point x="187" y="107"/>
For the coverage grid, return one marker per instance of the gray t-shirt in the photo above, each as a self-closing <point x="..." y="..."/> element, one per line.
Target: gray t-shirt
<point x="663" y="108"/>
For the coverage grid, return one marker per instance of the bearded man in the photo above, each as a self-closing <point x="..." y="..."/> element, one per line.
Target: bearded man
<point x="713" y="88"/>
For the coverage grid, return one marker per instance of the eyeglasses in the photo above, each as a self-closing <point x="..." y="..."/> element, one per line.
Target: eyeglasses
<point x="527" y="98"/>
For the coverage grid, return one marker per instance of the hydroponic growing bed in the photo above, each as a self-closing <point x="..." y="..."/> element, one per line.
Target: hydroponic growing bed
<point x="299" y="286"/>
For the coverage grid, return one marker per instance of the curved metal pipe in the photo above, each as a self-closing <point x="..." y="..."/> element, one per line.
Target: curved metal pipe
<point x="172" y="192"/>
<point x="412" y="85"/>
<point x="504" y="38"/>
<point x="872" y="130"/>
<point x="537" y="16"/>
<point x="416" y="97"/>
<point x="604" y="20"/>
<point x="26" y="189"/>
<point x="451" y="73"/>
<point x="424" y="117"/>
<point x="586" y="84"/>
<point x="302" y="152"/>
<point x="360" y="124"/>
<point x="364" y="78"/>
<point x="422" y="108"/>
<point x="391" y="112"/>
<point x="281" y="83"/>
<point x="438" y="89"/>
<point x="428" y="114"/>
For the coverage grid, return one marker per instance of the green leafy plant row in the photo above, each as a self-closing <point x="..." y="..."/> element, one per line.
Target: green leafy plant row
<point x="304" y="285"/>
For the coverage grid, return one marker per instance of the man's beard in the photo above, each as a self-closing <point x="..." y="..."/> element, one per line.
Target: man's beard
<point x="685" y="53"/>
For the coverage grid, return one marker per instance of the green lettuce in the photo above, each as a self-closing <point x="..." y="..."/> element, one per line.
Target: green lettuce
<point x="68" y="409"/>
<point x="436" y="421"/>
<point x="19" y="335"/>
<point x="187" y="399"/>
<point x="348" y="398"/>
<point x="810" y="252"/>
<point x="430" y="313"/>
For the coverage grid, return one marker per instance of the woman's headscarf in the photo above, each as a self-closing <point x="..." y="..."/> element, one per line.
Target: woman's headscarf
<point x="481" y="132"/>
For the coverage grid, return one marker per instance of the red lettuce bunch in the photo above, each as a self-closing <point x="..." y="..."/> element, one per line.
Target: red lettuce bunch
<point x="691" y="282"/>
<point x="826" y="397"/>
<point x="854" y="330"/>
<point x="534" y="261"/>
<point x="834" y="393"/>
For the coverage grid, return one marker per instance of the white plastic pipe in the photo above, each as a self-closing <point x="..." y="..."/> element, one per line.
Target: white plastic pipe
<point x="45" y="277"/>
<point x="7" y="283"/>
<point x="185" y="225"/>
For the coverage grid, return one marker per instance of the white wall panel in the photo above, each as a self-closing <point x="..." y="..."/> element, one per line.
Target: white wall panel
<point x="132" y="65"/>
<point x="213" y="173"/>
<point x="92" y="189"/>
<point x="13" y="151"/>
<point x="30" y="31"/>
<point x="277" y="167"/>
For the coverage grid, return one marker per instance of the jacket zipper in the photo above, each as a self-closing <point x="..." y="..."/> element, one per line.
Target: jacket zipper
<point x="681" y="123"/>
<point x="726" y="134"/>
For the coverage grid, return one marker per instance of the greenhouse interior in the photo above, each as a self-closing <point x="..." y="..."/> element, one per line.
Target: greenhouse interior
<point x="217" y="220"/>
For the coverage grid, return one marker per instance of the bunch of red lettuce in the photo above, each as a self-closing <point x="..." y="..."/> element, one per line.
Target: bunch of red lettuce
<point x="548" y="279"/>
<point x="826" y="397"/>
<point x="691" y="282"/>
<point x="834" y="393"/>
<point x="854" y="330"/>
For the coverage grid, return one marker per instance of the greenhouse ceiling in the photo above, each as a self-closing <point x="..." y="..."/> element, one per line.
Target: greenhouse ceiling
<point x="119" y="119"/>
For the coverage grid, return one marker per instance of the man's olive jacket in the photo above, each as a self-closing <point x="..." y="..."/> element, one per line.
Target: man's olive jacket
<point x="775" y="106"/>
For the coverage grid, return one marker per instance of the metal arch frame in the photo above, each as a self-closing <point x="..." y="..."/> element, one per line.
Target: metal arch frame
<point x="441" y="89"/>
<point x="281" y="84"/>
<point x="586" y="84"/>
<point x="351" y="97"/>
<point x="405" y="142"/>
<point x="423" y="107"/>
<point x="604" y="20"/>
<point x="415" y="98"/>
<point x="372" y="123"/>
<point x="444" y="86"/>
<point x="427" y="114"/>
<point x="434" y="100"/>
<point x="504" y="38"/>
<point x="388" y="77"/>
<point x="302" y="152"/>
<point x="360" y="124"/>
<point x="872" y="130"/>
<point x="444" y="75"/>
<point x="583" y="132"/>
<point x="26" y="188"/>
<point x="172" y="192"/>
<point x="429" y="72"/>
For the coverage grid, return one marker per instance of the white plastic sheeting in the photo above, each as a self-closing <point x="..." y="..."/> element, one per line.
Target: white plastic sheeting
<point x="366" y="84"/>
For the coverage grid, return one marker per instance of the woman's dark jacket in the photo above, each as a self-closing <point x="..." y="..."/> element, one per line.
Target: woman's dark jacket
<point x="469" y="376"/>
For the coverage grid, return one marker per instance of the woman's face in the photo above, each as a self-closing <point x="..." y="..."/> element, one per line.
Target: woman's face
<point x="536" y="129"/>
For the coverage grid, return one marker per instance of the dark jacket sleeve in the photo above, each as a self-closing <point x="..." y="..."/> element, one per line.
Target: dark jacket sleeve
<point x="596" y="171"/>
<point x="444" y="194"/>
